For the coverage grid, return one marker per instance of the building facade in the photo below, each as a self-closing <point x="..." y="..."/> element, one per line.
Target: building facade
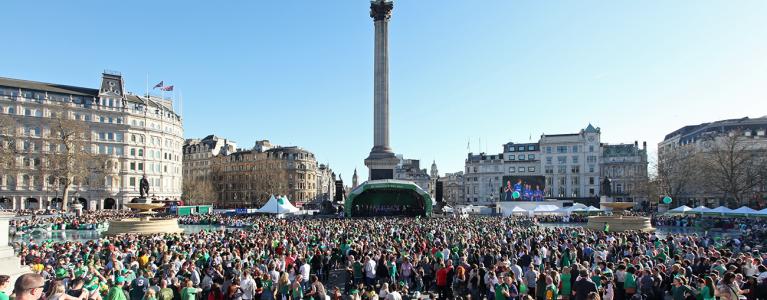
<point x="135" y="135"/>
<point x="626" y="167"/>
<point x="199" y="152"/>
<point x="681" y="151"/>
<point x="246" y="178"/>
<point x="571" y="163"/>
<point x="452" y="188"/>
<point x="410" y="170"/>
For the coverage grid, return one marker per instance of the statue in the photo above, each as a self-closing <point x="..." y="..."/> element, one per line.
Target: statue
<point x="143" y="187"/>
<point x="606" y="187"/>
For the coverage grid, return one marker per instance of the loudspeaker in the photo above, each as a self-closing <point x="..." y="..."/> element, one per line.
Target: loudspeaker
<point x="438" y="191"/>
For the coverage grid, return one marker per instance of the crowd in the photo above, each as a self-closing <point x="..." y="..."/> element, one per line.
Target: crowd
<point x="89" y="220"/>
<point x="398" y="258"/>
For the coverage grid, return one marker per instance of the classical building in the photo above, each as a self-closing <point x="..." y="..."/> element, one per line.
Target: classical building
<point x="249" y="177"/>
<point x="699" y="140"/>
<point x="410" y="170"/>
<point x="570" y="167"/>
<point x="199" y="152"/>
<point x="626" y="167"/>
<point x="484" y="174"/>
<point x="136" y="135"/>
<point x="571" y="163"/>
<point x="452" y="188"/>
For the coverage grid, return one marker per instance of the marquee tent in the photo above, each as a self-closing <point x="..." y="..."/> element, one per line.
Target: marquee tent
<point x="699" y="210"/>
<point x="719" y="211"/>
<point x="680" y="210"/>
<point x="743" y="210"/>
<point x="279" y="205"/>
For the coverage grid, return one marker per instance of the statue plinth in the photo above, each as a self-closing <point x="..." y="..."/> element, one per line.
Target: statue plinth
<point x="146" y="223"/>
<point x="9" y="263"/>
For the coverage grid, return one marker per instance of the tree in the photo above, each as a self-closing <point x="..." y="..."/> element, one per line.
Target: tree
<point x="198" y="190"/>
<point x="732" y="166"/>
<point x="8" y="145"/>
<point x="69" y="158"/>
<point x="677" y="173"/>
<point x="270" y="177"/>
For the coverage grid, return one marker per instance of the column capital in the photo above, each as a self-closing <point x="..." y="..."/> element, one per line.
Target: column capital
<point x="380" y="10"/>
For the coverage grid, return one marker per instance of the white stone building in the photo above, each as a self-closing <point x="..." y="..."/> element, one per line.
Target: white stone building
<point x="139" y="135"/>
<point x="198" y="154"/>
<point x="571" y="163"/>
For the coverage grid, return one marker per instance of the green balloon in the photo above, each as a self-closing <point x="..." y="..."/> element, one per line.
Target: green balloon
<point x="281" y="200"/>
<point x="667" y="200"/>
<point x="515" y="195"/>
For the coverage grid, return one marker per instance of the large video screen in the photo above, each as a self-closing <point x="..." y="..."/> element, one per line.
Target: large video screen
<point x="528" y="188"/>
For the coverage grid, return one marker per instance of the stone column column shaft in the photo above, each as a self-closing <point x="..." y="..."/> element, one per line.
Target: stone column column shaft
<point x="381" y="85"/>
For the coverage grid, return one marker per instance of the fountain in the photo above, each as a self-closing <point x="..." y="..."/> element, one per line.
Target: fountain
<point x="618" y="221"/>
<point x="146" y="223"/>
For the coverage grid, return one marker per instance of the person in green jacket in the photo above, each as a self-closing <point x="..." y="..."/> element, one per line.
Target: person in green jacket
<point x="4" y="279"/>
<point x="189" y="291"/>
<point x="564" y="282"/>
<point x="551" y="290"/>
<point x="116" y="292"/>
<point x="630" y="283"/>
<point x="679" y="289"/>
<point x="705" y="289"/>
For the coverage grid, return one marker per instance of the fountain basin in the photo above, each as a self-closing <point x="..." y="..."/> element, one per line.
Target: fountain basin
<point x="142" y="226"/>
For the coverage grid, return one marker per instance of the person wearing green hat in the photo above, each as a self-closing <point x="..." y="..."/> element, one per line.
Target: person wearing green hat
<point x="116" y="292"/>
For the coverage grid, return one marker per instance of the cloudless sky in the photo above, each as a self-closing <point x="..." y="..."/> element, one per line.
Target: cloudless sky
<point x="301" y="72"/>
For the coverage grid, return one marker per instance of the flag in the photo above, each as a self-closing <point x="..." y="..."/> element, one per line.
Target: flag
<point x="167" y="88"/>
<point x="159" y="85"/>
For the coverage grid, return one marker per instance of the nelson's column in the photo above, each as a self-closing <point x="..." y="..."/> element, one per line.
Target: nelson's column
<point x="381" y="161"/>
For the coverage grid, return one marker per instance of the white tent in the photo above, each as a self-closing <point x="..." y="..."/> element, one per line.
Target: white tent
<point x="700" y="209"/>
<point x="680" y="210"/>
<point x="545" y="209"/>
<point x="592" y="209"/>
<point x="278" y="206"/>
<point x="719" y="210"/>
<point x="762" y="213"/>
<point x="743" y="210"/>
<point x="515" y="211"/>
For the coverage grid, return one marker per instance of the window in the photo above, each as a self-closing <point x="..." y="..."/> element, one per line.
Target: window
<point x="132" y="181"/>
<point x="549" y="170"/>
<point x="548" y="149"/>
<point x="591" y="180"/>
<point x="591" y="148"/>
<point x="512" y="157"/>
<point x="575" y="149"/>
<point x="530" y="148"/>
<point x="575" y="180"/>
<point x="591" y="159"/>
<point x="27" y="112"/>
<point x="521" y="157"/>
<point x="561" y="169"/>
<point x="512" y="149"/>
<point x="521" y="148"/>
<point x="562" y="159"/>
<point x="133" y="166"/>
<point x="575" y="169"/>
<point x="521" y="169"/>
<point x="575" y="159"/>
<point x="531" y="169"/>
<point x="548" y="160"/>
<point x="512" y="170"/>
<point x="140" y="152"/>
<point x="591" y="168"/>
<point x="561" y="149"/>
<point x="132" y="151"/>
<point x="591" y="192"/>
<point x="531" y="157"/>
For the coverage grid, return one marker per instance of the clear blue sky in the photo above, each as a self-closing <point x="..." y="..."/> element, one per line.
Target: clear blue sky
<point x="300" y="72"/>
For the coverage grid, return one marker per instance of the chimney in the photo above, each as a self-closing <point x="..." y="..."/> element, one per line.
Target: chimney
<point x="644" y="145"/>
<point x="636" y="144"/>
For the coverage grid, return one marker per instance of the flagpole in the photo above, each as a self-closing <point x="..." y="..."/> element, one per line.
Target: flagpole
<point x="147" y="84"/>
